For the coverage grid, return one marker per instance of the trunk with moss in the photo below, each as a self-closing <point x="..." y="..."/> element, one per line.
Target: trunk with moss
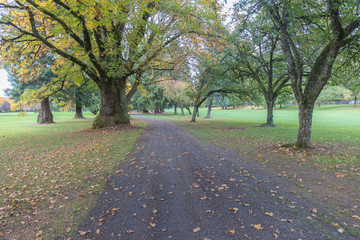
<point x="113" y="110"/>
<point x="270" y="113"/>
<point x="78" y="110"/>
<point x="45" y="115"/>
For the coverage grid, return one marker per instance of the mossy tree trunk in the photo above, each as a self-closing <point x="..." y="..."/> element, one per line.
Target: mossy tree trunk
<point x="270" y="113"/>
<point x="114" y="108"/>
<point x="45" y="115"/>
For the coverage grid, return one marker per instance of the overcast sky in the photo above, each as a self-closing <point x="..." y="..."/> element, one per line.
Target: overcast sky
<point x="3" y="75"/>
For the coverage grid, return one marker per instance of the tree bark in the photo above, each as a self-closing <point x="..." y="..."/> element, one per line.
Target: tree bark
<point x="209" y="109"/>
<point x="305" y="122"/>
<point x="197" y="112"/>
<point x="78" y="110"/>
<point x="182" y="110"/>
<point x="113" y="110"/>
<point x="193" y="118"/>
<point x="270" y="113"/>
<point x="45" y="115"/>
<point x="188" y="108"/>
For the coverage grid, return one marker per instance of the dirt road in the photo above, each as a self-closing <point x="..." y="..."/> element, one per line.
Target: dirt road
<point x="174" y="187"/>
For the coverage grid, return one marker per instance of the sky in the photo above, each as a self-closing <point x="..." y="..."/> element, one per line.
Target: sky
<point x="3" y="82"/>
<point x="3" y="75"/>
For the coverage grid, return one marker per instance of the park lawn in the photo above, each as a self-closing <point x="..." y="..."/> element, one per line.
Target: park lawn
<point x="328" y="173"/>
<point x="51" y="175"/>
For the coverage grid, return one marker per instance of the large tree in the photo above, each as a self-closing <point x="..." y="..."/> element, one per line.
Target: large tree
<point x="254" y="52"/>
<point x="312" y="35"/>
<point x="109" y="40"/>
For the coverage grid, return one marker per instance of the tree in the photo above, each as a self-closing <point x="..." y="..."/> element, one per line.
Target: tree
<point x="312" y="35"/>
<point x="177" y="91"/>
<point x="35" y="85"/>
<point x="110" y="41"/>
<point x="348" y="76"/>
<point x="255" y="53"/>
<point x="330" y="93"/>
<point x="5" y="106"/>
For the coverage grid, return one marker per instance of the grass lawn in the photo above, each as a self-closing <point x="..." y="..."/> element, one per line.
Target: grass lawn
<point x="51" y="175"/>
<point x="328" y="173"/>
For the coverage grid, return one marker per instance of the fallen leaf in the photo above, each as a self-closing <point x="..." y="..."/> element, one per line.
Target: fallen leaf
<point x="195" y="230"/>
<point x="314" y="210"/>
<point x="82" y="233"/>
<point x="129" y="231"/>
<point x="98" y="231"/>
<point x="232" y="231"/>
<point x="341" y="230"/>
<point x="258" y="226"/>
<point x="270" y="214"/>
<point x="234" y="209"/>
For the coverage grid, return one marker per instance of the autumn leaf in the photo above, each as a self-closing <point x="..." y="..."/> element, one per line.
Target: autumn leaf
<point x="232" y="231"/>
<point x="258" y="227"/>
<point x="314" y="210"/>
<point x="270" y="214"/>
<point x="195" y="230"/>
<point x="234" y="209"/>
<point x="341" y="230"/>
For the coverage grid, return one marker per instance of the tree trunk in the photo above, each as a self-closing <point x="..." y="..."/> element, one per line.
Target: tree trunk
<point x="175" y="109"/>
<point x="193" y="118"/>
<point x="182" y="110"/>
<point x="305" y="121"/>
<point x="234" y="106"/>
<point x="319" y="105"/>
<point x="45" y="115"/>
<point x="197" y="112"/>
<point x="280" y="106"/>
<point x="78" y="110"/>
<point x="188" y="108"/>
<point x="209" y="109"/>
<point x="113" y="110"/>
<point x="355" y="101"/>
<point x="270" y="113"/>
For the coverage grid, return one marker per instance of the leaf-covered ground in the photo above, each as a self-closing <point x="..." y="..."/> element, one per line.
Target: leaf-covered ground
<point x="51" y="175"/>
<point x="174" y="187"/>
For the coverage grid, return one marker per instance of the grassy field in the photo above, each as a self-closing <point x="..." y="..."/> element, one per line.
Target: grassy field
<point x="51" y="175"/>
<point x="333" y="124"/>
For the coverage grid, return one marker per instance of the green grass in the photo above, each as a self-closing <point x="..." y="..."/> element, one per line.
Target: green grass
<point x="55" y="170"/>
<point x="333" y="124"/>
